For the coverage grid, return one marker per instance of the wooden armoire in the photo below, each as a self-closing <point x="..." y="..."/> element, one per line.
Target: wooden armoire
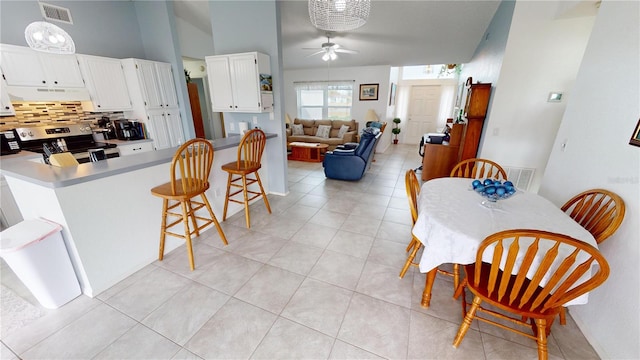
<point x="439" y="159"/>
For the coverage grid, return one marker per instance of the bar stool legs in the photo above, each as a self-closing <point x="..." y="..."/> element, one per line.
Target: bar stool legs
<point x="245" y="193"/>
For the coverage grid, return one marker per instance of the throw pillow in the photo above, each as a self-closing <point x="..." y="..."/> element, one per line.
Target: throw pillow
<point x="323" y="131"/>
<point x="376" y="124"/>
<point x="343" y="130"/>
<point x="297" y="129"/>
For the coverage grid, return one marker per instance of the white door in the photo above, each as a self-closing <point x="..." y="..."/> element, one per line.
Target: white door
<point x="423" y="112"/>
<point x="220" y="83"/>
<point x="246" y="93"/>
<point x="174" y="126"/>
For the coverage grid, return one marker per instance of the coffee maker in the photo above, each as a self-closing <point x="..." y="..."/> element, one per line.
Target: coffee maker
<point x="128" y="130"/>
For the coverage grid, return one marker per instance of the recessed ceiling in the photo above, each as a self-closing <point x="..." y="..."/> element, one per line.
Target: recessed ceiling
<point x="398" y="32"/>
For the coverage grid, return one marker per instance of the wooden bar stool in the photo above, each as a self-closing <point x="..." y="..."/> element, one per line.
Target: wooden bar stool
<point x="190" y="169"/>
<point x="249" y="157"/>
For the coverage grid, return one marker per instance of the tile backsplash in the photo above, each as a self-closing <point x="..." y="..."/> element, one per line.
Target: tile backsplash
<point x="51" y="113"/>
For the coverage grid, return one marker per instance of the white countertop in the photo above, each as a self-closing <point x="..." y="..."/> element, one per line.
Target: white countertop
<point x="19" y="166"/>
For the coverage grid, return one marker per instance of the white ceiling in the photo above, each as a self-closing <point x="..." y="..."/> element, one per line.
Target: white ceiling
<point x="397" y="33"/>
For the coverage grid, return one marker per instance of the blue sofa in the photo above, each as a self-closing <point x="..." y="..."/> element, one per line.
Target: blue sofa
<point x="351" y="164"/>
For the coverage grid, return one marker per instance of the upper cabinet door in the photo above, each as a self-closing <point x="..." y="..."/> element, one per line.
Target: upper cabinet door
<point x="25" y="67"/>
<point x="220" y="83"/>
<point x="148" y="78"/>
<point x="61" y="70"/>
<point x="167" y="85"/>
<point x="106" y="83"/>
<point x="6" y="108"/>
<point x="21" y="67"/>
<point x="246" y="91"/>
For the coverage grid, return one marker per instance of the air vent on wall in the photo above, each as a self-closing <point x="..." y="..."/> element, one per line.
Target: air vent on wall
<point x="521" y="177"/>
<point x="55" y="13"/>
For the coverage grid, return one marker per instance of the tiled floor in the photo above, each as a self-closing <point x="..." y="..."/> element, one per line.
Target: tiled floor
<point x="316" y="279"/>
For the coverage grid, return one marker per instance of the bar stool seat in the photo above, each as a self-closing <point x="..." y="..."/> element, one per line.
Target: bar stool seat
<point x="190" y="169"/>
<point x="248" y="162"/>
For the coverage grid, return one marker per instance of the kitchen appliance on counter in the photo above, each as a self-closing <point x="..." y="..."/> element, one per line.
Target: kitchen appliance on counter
<point x="128" y="130"/>
<point x="9" y="142"/>
<point x="106" y="128"/>
<point x="74" y="138"/>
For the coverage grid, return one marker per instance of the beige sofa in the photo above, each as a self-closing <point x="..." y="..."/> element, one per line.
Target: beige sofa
<point x="311" y="126"/>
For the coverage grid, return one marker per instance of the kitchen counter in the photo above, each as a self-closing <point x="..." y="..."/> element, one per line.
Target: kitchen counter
<point x="55" y="177"/>
<point x="110" y="221"/>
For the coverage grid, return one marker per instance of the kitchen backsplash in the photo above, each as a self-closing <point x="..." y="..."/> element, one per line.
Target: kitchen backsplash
<point x="51" y="113"/>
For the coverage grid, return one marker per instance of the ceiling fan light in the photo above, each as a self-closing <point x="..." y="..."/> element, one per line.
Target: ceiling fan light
<point x="47" y="37"/>
<point x="339" y="15"/>
<point x="326" y="57"/>
<point x="333" y="56"/>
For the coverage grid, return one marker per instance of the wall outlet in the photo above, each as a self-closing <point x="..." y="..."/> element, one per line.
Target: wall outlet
<point x="231" y="126"/>
<point x="255" y="119"/>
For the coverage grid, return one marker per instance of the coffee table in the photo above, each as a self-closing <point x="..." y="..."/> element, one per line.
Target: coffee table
<point x="311" y="152"/>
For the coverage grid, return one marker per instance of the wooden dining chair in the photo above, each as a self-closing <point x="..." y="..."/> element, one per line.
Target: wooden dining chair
<point x="189" y="173"/>
<point x="560" y="270"/>
<point x="412" y="187"/>
<point x="248" y="162"/>
<point x="478" y="169"/>
<point x="599" y="211"/>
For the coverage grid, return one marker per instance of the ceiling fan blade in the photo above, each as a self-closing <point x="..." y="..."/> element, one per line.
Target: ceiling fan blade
<point x="316" y="53"/>
<point x="347" y="51"/>
<point x="314" y="48"/>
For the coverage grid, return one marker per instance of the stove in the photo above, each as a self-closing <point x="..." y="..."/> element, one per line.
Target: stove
<point x="74" y="138"/>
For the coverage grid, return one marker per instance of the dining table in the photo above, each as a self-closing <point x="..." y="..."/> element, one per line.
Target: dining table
<point x="453" y="220"/>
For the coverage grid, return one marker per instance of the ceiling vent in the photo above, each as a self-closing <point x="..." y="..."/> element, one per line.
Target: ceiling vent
<point x="55" y="13"/>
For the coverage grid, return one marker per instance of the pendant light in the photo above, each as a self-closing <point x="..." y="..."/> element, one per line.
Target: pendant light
<point x="339" y="15"/>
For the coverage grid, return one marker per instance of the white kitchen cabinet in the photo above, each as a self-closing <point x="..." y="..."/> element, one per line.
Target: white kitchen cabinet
<point x="22" y="66"/>
<point x="155" y="101"/>
<point x="135" y="148"/>
<point x="106" y="83"/>
<point x="6" y="108"/>
<point x="234" y="82"/>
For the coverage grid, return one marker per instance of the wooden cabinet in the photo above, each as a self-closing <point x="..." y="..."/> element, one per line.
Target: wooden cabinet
<point x="475" y="110"/>
<point x="439" y="159"/>
<point x="155" y="101"/>
<point x="106" y="83"/>
<point x="22" y="66"/>
<point x="234" y="82"/>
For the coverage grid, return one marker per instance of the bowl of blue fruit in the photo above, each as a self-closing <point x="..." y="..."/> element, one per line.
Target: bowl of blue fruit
<point x="494" y="190"/>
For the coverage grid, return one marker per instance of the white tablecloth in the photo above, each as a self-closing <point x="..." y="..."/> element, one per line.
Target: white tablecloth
<point x="452" y="222"/>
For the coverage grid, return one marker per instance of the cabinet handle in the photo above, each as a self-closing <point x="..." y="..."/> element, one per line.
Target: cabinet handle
<point x="230" y="106"/>
<point x="55" y="82"/>
<point x="6" y="108"/>
<point x="236" y="106"/>
<point x="98" y="105"/>
<point x="44" y="82"/>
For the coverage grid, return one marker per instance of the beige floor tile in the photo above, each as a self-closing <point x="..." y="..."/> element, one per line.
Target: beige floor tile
<point x="278" y="344"/>
<point x="351" y="243"/>
<point x="233" y="332"/>
<point x="329" y="218"/>
<point x="228" y="273"/>
<point x="499" y="348"/>
<point x="185" y="354"/>
<point x="382" y="282"/>
<point x="393" y="231"/>
<point x="342" y="350"/>
<point x="257" y="246"/>
<point x="361" y="224"/>
<point x="376" y="326"/>
<point x="315" y="201"/>
<point x="140" y="342"/>
<point x="318" y="305"/>
<point x="389" y="253"/>
<point x="317" y="235"/>
<point x="270" y="288"/>
<point x="296" y="257"/>
<point x="571" y="341"/>
<point x="338" y="269"/>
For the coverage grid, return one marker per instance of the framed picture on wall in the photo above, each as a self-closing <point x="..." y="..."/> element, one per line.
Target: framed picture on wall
<point x="635" y="137"/>
<point x="369" y="92"/>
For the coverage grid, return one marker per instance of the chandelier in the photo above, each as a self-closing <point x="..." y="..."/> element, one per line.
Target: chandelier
<point x="339" y="15"/>
<point x="47" y="37"/>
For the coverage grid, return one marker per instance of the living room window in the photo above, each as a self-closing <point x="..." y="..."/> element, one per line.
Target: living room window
<point x="325" y="100"/>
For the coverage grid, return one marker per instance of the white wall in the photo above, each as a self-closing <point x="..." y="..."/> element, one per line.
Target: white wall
<point x="361" y="75"/>
<point x="598" y="122"/>
<point x="542" y="54"/>
<point x="194" y="43"/>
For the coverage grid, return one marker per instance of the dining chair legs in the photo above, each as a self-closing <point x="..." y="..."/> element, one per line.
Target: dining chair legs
<point x="245" y="194"/>
<point x="412" y="243"/>
<point x="466" y="323"/>
<point x="426" y="294"/>
<point x="410" y="258"/>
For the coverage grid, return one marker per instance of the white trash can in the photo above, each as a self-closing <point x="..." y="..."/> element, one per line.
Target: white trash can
<point x="35" y="251"/>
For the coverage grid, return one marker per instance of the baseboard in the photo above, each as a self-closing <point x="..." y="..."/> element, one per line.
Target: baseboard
<point x="278" y="193"/>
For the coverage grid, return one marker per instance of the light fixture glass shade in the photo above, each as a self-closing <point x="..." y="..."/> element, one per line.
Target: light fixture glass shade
<point x="339" y="15"/>
<point x="371" y="116"/>
<point x="47" y="37"/>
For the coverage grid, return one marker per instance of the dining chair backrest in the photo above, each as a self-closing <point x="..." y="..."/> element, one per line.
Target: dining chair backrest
<point x="599" y="211"/>
<point x="191" y="166"/>
<point x="251" y="148"/>
<point x="556" y="273"/>
<point x="478" y="169"/>
<point x="412" y="186"/>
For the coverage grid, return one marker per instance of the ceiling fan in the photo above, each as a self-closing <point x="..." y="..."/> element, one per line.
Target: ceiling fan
<point x="330" y="50"/>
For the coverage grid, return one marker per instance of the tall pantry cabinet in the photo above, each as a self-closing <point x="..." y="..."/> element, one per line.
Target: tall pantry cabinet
<point x="155" y="101"/>
<point x="475" y="111"/>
